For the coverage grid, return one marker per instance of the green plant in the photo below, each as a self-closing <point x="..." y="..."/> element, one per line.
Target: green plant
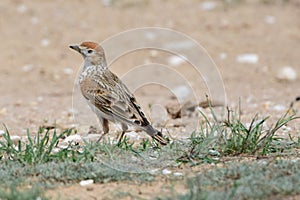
<point x="254" y="138"/>
<point x="232" y="137"/>
<point x="40" y="148"/>
<point x="14" y="192"/>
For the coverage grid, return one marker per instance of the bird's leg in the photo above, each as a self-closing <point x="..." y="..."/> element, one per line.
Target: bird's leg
<point x="124" y="129"/>
<point x="105" y="127"/>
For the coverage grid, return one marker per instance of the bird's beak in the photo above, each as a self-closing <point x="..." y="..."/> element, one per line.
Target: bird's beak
<point x="75" y="47"/>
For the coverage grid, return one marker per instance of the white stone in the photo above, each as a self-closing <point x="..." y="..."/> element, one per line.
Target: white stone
<point x="68" y="71"/>
<point x="287" y="73"/>
<point x="208" y="5"/>
<point x="181" y="92"/>
<point x="86" y="182"/>
<point x="27" y="68"/>
<point x="107" y="2"/>
<point x="213" y="152"/>
<point x="269" y="19"/>
<point x="166" y="172"/>
<point x="223" y="56"/>
<point x="22" y="8"/>
<point x="73" y="138"/>
<point x="175" y="60"/>
<point x="279" y="107"/>
<point x="34" y="20"/>
<point x="177" y="174"/>
<point x="40" y="98"/>
<point x="45" y="42"/>
<point x="2" y="132"/>
<point x="249" y="58"/>
<point x="56" y="150"/>
<point x="15" y="139"/>
<point x="286" y="128"/>
<point x="63" y="145"/>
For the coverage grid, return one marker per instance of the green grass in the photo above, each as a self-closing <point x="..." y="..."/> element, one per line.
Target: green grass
<point x="39" y="161"/>
<point x="249" y="180"/>
<point x="13" y="192"/>
<point x="232" y="137"/>
<point x="38" y="149"/>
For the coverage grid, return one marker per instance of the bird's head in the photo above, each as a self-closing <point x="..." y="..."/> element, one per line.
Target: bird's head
<point x="92" y="53"/>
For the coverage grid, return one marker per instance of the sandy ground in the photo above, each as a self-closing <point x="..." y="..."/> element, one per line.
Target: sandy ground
<point x="38" y="70"/>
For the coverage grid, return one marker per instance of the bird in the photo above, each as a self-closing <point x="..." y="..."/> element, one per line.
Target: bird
<point x="108" y="96"/>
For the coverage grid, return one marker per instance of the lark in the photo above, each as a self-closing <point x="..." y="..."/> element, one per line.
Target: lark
<point x="108" y="96"/>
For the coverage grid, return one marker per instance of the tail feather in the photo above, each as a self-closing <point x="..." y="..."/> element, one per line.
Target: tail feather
<point x="160" y="138"/>
<point x="156" y="135"/>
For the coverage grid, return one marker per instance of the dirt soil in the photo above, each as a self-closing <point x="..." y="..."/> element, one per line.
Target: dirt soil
<point x="38" y="70"/>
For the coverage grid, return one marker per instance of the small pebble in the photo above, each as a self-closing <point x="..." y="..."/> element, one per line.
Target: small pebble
<point x="86" y="182"/>
<point x="166" y="172"/>
<point x="178" y="174"/>
<point x="287" y="73"/>
<point x="286" y="128"/>
<point x="56" y="150"/>
<point x="249" y="58"/>
<point x="63" y="145"/>
<point x="279" y="107"/>
<point x="181" y="92"/>
<point x="34" y="20"/>
<point x="40" y="98"/>
<point x="208" y="5"/>
<point x="22" y="8"/>
<point x="15" y="139"/>
<point x="175" y="60"/>
<point x="107" y="2"/>
<point x="223" y="56"/>
<point x="213" y="152"/>
<point x="73" y="138"/>
<point x="45" y="42"/>
<point x="269" y="19"/>
<point x="68" y="71"/>
<point x="27" y="68"/>
<point x="2" y="132"/>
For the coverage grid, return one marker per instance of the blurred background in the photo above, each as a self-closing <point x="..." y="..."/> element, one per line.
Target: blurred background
<point x="254" y="43"/>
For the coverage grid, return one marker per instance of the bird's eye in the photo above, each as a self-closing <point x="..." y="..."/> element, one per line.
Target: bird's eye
<point x="90" y="51"/>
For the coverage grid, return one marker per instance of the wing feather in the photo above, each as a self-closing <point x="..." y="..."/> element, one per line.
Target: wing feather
<point x="113" y="98"/>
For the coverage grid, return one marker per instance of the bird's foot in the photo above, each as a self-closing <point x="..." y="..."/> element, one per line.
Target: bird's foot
<point x="121" y="137"/>
<point x="102" y="137"/>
